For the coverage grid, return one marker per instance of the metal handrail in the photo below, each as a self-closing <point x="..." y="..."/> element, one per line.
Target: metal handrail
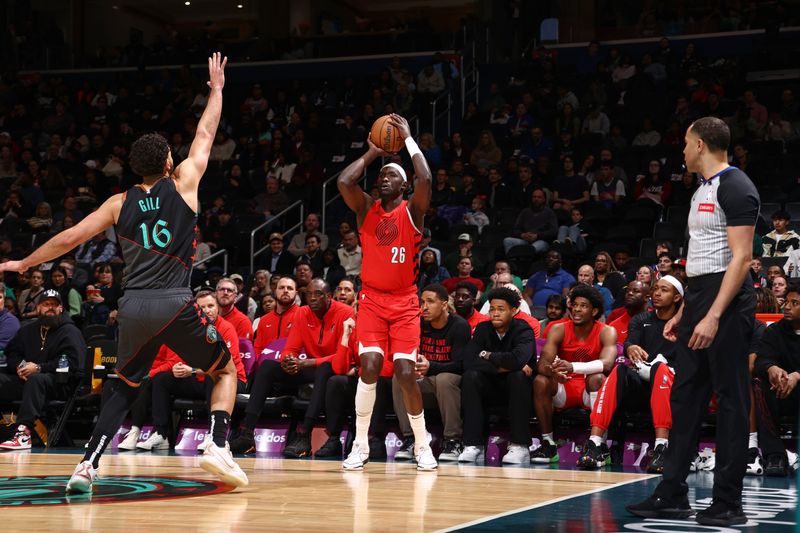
<point x="253" y="251"/>
<point x="327" y="201"/>
<point x="435" y="116"/>
<point x="223" y="253"/>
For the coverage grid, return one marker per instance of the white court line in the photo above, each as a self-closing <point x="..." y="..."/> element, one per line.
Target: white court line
<point x="542" y="504"/>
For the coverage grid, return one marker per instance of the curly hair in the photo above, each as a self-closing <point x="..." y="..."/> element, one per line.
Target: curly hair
<point x="148" y="155"/>
<point x="589" y="293"/>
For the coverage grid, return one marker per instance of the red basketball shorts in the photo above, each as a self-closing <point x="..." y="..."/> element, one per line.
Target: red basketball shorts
<point x="389" y="323"/>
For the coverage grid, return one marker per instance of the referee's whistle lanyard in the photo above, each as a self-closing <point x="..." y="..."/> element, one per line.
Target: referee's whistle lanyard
<point x="718" y="174"/>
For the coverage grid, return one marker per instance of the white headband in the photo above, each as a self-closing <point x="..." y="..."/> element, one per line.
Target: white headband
<point x="398" y="168"/>
<point x="672" y="280"/>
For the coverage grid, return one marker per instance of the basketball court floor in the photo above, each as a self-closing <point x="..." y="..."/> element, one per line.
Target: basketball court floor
<point x="140" y="492"/>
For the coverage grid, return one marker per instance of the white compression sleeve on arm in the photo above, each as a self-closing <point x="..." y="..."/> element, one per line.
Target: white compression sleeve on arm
<point x="592" y="367"/>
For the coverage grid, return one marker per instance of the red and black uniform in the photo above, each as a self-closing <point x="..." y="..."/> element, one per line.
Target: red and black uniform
<point x="274" y="326"/>
<point x="156" y="229"/>
<point x="577" y="350"/>
<point x="340" y="392"/>
<point x="319" y="338"/>
<point x="627" y="389"/>
<point x="388" y="309"/>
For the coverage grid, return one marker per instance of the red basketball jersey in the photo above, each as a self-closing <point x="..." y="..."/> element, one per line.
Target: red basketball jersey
<point x="390" y="247"/>
<point x="575" y="350"/>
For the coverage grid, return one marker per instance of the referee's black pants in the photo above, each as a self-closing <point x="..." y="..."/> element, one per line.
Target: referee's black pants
<point x="721" y="368"/>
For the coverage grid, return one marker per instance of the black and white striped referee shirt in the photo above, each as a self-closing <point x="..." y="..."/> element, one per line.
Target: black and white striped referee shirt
<point x="728" y="198"/>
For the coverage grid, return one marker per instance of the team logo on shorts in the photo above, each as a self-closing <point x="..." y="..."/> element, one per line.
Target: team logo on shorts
<point x="212" y="335"/>
<point x="386" y="232"/>
<point x="49" y="490"/>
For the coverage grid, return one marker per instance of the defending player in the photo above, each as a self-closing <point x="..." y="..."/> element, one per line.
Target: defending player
<point x="155" y="223"/>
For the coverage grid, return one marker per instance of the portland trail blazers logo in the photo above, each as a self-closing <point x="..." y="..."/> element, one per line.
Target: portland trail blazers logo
<point x="49" y="490"/>
<point x="386" y="232"/>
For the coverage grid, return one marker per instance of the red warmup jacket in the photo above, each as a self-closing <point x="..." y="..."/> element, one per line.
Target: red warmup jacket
<point x="476" y="318"/>
<point x="244" y="329"/>
<point x="532" y="322"/>
<point x="273" y="326"/>
<point x="166" y="358"/>
<point x="346" y="357"/>
<point x="318" y="337"/>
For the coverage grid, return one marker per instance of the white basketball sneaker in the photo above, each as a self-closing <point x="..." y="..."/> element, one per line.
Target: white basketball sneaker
<point x="425" y="459"/>
<point x="517" y="455"/>
<point x="203" y="445"/>
<point x="156" y="441"/>
<point x="82" y="478"/>
<point x="472" y="454"/>
<point x="359" y="456"/>
<point x="131" y="439"/>
<point x="219" y="461"/>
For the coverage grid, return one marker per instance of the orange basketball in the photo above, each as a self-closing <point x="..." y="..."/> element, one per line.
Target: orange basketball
<point x="385" y="136"/>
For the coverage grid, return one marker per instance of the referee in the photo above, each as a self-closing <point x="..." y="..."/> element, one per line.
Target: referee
<point x="713" y="331"/>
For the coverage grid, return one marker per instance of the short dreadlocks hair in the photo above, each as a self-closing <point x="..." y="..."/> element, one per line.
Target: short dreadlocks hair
<point x="148" y="155"/>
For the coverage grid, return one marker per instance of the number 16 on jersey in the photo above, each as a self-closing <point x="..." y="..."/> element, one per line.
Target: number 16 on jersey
<point x="160" y="235"/>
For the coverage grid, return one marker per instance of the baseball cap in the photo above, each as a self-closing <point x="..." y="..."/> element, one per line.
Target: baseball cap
<point x="465" y="237"/>
<point x="50" y="294"/>
<point x="237" y="277"/>
<point x="679" y="262"/>
<point x="275" y="236"/>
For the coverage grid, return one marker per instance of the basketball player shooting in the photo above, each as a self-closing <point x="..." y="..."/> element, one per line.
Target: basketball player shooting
<point x="388" y="321"/>
<point x="155" y="225"/>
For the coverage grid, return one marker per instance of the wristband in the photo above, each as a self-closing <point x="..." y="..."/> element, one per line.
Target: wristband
<point x="592" y="367"/>
<point x="411" y="146"/>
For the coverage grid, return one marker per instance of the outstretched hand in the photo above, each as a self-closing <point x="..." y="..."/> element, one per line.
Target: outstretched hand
<point x="216" y="71"/>
<point x="401" y="124"/>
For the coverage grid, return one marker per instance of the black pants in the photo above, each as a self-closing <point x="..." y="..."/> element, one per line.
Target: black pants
<point x="340" y="400"/>
<point x="479" y="390"/>
<point x="34" y="394"/>
<point x="270" y="373"/>
<point x="769" y="410"/>
<point x="721" y="368"/>
<point x="140" y="408"/>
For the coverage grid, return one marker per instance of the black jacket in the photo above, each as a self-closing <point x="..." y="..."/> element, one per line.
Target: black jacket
<point x="780" y="345"/>
<point x="65" y="338"/>
<point x="284" y="266"/>
<point x="516" y="349"/>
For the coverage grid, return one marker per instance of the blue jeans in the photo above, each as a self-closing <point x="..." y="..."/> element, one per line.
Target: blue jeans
<point x="573" y="233"/>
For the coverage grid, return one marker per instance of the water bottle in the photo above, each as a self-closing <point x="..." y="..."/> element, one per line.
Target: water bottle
<point x="3" y="360"/>
<point x="63" y="363"/>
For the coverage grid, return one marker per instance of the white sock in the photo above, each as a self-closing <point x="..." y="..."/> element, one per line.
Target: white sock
<point x="418" y="427"/>
<point x="597" y="439"/>
<point x="753" y="440"/>
<point x="548" y="437"/>
<point x="592" y="399"/>
<point x="365" y="402"/>
<point x="665" y="442"/>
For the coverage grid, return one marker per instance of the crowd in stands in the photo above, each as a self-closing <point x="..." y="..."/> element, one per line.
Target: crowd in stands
<point x="558" y="182"/>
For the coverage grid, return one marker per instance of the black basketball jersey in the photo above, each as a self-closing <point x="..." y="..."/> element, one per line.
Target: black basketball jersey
<point x="156" y="231"/>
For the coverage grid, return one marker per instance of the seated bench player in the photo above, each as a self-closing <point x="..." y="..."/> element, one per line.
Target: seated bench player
<point x="648" y="381"/>
<point x="316" y="328"/>
<point x="575" y="357"/>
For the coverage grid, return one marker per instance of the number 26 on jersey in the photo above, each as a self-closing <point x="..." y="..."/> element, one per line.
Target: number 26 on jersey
<point x="398" y="255"/>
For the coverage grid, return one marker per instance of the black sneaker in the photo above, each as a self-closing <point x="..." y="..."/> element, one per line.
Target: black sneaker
<point x="616" y="452"/>
<point x="656" y="507"/>
<point x="546" y="453"/>
<point x="721" y="514"/>
<point x="452" y="449"/>
<point x="299" y="446"/>
<point x="659" y="455"/>
<point x="594" y="456"/>
<point x="777" y="465"/>
<point x="406" y="451"/>
<point x="245" y="442"/>
<point x="331" y="448"/>
<point x="377" y="448"/>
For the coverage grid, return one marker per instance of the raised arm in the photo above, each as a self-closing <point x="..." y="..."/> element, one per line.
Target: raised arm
<point x="105" y="216"/>
<point x="189" y="172"/>
<point x="354" y="196"/>
<point x="421" y="198"/>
